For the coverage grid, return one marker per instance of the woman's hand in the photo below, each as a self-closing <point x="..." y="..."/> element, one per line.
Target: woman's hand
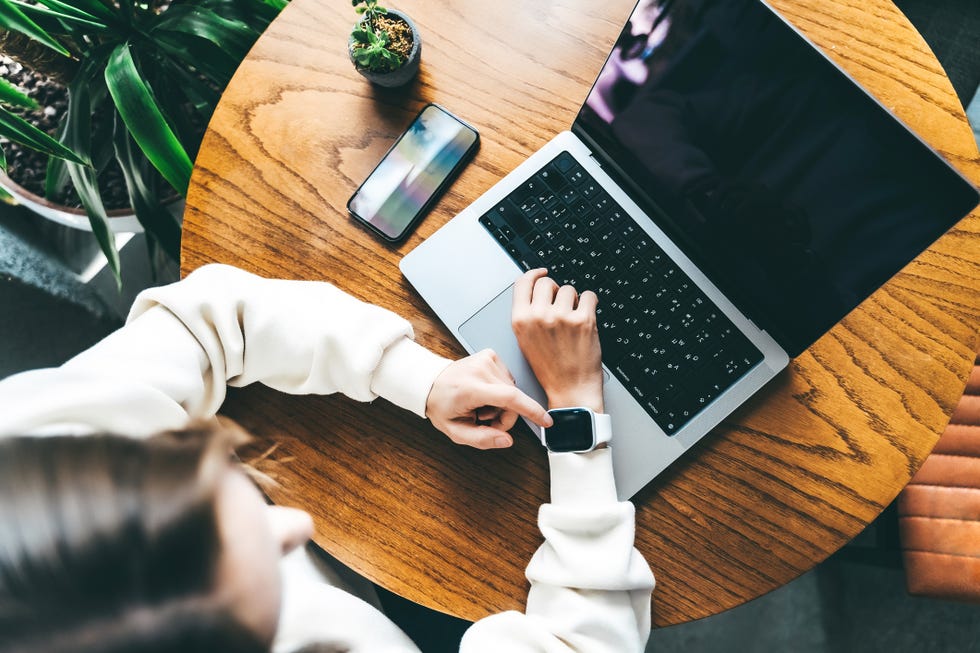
<point x="556" y="329"/>
<point x="475" y="402"/>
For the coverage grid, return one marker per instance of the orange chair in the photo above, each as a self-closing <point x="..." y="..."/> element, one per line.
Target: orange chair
<point x="939" y="510"/>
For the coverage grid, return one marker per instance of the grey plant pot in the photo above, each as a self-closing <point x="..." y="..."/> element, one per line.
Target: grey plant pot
<point x="407" y="71"/>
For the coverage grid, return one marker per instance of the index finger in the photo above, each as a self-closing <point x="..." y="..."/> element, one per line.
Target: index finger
<point x="510" y="397"/>
<point x="525" y="284"/>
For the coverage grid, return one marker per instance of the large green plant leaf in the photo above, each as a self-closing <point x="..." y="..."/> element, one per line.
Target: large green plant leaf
<point x="55" y="178"/>
<point x="14" y="19"/>
<point x="85" y="9"/>
<point x="10" y="94"/>
<point x="52" y="21"/>
<point x="156" y="220"/>
<point x="199" y="93"/>
<point x="77" y="9"/>
<point x="139" y="110"/>
<point x="102" y="153"/>
<point x="20" y="131"/>
<point x="256" y="13"/>
<point x="180" y="103"/>
<point x="234" y="37"/>
<point x="85" y="178"/>
<point x="197" y="53"/>
<point x="5" y="195"/>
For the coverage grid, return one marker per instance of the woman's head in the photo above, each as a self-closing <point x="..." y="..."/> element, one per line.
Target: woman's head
<point x="110" y="544"/>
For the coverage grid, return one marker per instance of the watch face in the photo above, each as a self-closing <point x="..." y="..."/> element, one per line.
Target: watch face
<point x="572" y="430"/>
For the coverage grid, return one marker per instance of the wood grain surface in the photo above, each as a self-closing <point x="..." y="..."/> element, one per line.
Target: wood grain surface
<point x="783" y="483"/>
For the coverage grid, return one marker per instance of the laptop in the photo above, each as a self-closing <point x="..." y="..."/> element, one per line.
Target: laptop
<point x="726" y="190"/>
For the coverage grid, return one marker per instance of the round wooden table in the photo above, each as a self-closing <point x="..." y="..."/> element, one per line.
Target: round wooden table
<point x="785" y="482"/>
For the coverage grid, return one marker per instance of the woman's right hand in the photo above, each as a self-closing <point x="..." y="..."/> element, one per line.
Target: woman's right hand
<point x="556" y="330"/>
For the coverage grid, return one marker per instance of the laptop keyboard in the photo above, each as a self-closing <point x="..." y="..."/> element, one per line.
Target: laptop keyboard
<point x="661" y="336"/>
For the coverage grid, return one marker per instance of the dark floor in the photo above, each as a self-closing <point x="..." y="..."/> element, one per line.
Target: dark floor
<point x="838" y="607"/>
<point x="952" y="30"/>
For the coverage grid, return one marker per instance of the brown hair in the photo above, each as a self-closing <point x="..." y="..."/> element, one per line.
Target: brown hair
<point x="110" y="543"/>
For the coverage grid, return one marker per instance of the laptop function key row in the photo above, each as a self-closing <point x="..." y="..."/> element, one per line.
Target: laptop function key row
<point x="661" y="336"/>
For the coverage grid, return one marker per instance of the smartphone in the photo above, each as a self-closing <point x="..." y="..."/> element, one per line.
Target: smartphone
<point x="413" y="173"/>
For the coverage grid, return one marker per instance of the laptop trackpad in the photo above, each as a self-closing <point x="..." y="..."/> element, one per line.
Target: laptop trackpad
<point x="490" y="328"/>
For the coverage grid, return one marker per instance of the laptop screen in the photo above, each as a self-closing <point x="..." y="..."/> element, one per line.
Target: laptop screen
<point x="793" y="190"/>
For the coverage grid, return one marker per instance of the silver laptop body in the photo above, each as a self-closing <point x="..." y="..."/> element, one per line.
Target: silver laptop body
<point x="466" y="276"/>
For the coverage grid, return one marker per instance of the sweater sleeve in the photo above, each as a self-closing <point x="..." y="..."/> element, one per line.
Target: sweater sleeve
<point x="590" y="588"/>
<point x="184" y="343"/>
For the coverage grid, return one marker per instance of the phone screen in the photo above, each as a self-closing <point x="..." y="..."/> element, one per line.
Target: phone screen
<point x="413" y="172"/>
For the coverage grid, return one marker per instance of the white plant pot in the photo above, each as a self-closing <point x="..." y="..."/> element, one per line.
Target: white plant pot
<point x="120" y="220"/>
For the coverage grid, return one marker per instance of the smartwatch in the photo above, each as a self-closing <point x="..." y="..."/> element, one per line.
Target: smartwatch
<point x="576" y="430"/>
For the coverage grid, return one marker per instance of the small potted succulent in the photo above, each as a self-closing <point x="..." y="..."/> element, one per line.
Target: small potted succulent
<point x="384" y="45"/>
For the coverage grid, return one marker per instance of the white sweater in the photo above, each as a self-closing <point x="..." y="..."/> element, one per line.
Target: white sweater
<point x="183" y="344"/>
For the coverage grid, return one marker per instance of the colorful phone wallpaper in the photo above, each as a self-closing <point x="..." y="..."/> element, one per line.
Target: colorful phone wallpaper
<point x="412" y="171"/>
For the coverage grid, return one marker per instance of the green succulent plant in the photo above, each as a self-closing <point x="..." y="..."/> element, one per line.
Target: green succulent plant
<point x="143" y="77"/>
<point x="370" y="49"/>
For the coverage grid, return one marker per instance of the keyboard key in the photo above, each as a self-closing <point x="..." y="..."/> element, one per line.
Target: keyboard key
<point x="508" y="213"/>
<point x="564" y="162"/>
<point x="590" y="189"/>
<point x="547" y="198"/>
<point x="569" y="195"/>
<point x="556" y="180"/>
<point x="529" y="207"/>
<point x="600" y="202"/>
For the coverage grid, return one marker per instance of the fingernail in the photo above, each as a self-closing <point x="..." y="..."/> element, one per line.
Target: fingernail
<point x="501" y="442"/>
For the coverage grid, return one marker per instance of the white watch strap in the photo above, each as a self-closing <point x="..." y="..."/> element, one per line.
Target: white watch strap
<point x="603" y="428"/>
